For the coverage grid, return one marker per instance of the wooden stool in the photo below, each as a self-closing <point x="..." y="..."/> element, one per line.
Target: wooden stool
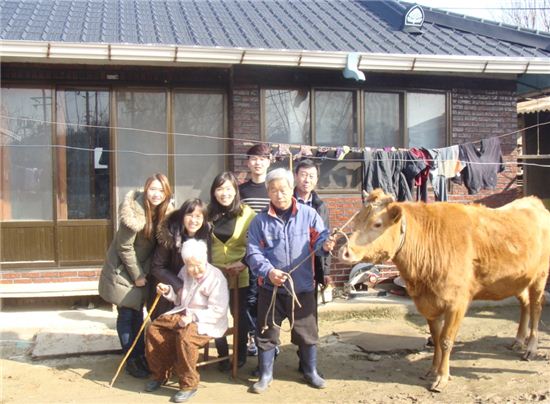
<point x="234" y="331"/>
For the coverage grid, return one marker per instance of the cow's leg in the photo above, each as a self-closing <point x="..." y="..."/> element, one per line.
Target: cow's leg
<point x="523" y="329"/>
<point x="453" y="318"/>
<point x="536" y="300"/>
<point x="436" y="325"/>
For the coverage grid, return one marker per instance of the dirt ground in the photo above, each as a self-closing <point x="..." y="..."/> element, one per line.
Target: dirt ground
<point x="484" y="370"/>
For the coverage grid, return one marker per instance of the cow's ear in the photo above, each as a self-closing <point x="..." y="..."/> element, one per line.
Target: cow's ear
<point x="394" y="212"/>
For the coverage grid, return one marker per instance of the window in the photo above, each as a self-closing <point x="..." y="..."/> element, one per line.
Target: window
<point x="287" y="116"/>
<point x="142" y="148"/>
<point x="426" y="122"/>
<point x="198" y="115"/>
<point x="83" y="167"/>
<point x="383" y="126"/>
<point x="386" y="121"/>
<point x="335" y="123"/>
<point x="26" y="154"/>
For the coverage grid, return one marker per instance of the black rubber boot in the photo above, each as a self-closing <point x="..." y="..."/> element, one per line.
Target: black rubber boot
<point x="309" y="363"/>
<point x="133" y="368"/>
<point x="266" y="359"/>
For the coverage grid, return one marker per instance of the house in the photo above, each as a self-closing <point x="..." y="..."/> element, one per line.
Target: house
<point x="98" y="95"/>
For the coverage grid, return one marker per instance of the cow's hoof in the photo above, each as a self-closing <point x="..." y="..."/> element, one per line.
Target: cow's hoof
<point x="428" y="376"/>
<point x="517" y="346"/>
<point x="439" y="385"/>
<point x="529" y="355"/>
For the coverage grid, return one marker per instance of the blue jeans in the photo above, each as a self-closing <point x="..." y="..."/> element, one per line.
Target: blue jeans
<point x="128" y="323"/>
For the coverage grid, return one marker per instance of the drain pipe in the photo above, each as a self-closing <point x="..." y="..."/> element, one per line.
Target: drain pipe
<point x="351" y="71"/>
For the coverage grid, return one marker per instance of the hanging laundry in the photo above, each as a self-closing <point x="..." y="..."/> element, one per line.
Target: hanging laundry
<point x="446" y="165"/>
<point x="384" y="170"/>
<point x="421" y="179"/>
<point x="322" y="152"/>
<point x="483" y="162"/>
<point x="282" y="152"/>
<point x="413" y="166"/>
<point x="305" y="152"/>
<point x="341" y="152"/>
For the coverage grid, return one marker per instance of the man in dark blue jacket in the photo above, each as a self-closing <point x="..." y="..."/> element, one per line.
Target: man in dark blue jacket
<point x="280" y="241"/>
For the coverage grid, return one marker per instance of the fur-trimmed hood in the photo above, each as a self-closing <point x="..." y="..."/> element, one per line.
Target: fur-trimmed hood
<point x="132" y="211"/>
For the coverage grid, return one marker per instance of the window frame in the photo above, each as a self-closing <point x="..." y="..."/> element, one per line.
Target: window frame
<point x="173" y="91"/>
<point x="359" y="115"/>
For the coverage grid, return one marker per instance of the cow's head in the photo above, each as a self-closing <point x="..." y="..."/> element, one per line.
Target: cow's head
<point x="377" y="230"/>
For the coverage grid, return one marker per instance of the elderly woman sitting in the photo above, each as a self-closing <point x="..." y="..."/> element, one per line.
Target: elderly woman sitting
<point x="200" y="312"/>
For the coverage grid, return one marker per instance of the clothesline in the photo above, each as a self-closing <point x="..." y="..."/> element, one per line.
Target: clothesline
<point x="245" y="141"/>
<point x="243" y="155"/>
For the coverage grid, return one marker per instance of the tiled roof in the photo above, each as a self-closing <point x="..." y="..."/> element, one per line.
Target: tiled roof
<point x="327" y="25"/>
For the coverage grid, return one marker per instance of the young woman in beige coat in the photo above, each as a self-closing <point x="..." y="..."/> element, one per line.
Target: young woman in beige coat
<point x="123" y="277"/>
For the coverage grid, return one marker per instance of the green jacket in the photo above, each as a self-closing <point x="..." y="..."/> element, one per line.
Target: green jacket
<point x="128" y="257"/>
<point x="234" y="249"/>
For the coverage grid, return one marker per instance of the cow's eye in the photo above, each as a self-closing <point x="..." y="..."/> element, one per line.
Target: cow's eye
<point x="377" y="225"/>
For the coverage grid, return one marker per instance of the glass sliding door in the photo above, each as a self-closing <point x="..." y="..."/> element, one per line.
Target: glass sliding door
<point x="202" y="117"/>
<point x="142" y="143"/>
<point x="83" y="161"/>
<point x="26" y="154"/>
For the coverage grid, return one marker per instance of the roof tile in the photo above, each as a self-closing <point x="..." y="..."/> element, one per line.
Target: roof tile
<point x="329" y="25"/>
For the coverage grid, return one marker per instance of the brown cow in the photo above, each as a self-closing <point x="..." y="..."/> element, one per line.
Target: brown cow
<point x="450" y="254"/>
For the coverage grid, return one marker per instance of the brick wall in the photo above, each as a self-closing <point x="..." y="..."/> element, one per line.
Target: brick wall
<point x="244" y="124"/>
<point x="478" y="114"/>
<point x="8" y="277"/>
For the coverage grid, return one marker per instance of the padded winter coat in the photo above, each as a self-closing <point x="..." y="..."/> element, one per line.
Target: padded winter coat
<point x="128" y="257"/>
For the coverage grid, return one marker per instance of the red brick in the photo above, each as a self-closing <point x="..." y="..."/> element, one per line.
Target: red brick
<point x="49" y="274"/>
<point x="10" y="275"/>
<point x="88" y="273"/>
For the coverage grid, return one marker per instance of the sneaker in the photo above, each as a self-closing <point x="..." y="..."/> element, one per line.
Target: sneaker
<point x="183" y="395"/>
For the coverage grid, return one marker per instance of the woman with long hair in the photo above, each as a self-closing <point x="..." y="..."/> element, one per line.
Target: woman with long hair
<point x="124" y="275"/>
<point x="187" y="222"/>
<point x="230" y="219"/>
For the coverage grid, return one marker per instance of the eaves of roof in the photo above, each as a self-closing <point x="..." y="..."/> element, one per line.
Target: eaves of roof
<point x="174" y="55"/>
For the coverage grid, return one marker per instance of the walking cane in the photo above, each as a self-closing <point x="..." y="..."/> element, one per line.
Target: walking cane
<point x="136" y="339"/>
